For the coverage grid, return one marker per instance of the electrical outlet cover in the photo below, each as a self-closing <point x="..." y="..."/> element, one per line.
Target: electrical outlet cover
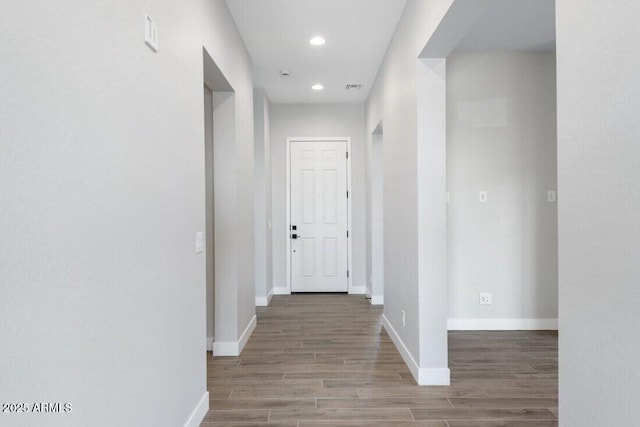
<point x="485" y="298"/>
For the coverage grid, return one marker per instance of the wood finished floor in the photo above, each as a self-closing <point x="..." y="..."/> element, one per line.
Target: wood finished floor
<point x="325" y="360"/>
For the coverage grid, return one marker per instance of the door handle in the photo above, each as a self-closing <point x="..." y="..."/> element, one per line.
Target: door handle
<point x="294" y="236"/>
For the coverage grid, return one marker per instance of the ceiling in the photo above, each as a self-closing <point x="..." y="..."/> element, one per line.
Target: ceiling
<point x="513" y="25"/>
<point x="277" y="33"/>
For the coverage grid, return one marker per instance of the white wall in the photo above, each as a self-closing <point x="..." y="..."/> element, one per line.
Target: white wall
<point x="318" y="120"/>
<point x="102" y="192"/>
<point x="501" y="138"/>
<point x="393" y="101"/>
<point x="264" y="261"/>
<point x="598" y="215"/>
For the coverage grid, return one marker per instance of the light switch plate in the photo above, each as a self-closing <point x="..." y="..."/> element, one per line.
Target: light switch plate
<point x="150" y="33"/>
<point x="483" y="196"/>
<point x="199" y="242"/>
<point x="551" y="196"/>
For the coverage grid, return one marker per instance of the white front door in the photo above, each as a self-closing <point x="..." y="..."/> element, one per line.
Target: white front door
<point x="318" y="228"/>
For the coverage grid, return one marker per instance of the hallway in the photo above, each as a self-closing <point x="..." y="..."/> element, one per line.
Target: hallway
<point x="324" y="360"/>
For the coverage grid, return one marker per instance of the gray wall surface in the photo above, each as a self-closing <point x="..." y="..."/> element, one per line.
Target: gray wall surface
<point x="598" y="211"/>
<point x="102" y="191"/>
<point x="501" y="138"/>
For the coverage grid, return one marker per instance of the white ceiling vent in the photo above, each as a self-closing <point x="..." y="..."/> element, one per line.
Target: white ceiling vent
<point x="353" y="86"/>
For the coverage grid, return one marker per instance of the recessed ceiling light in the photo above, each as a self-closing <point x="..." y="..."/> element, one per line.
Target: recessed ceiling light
<point x="317" y="41"/>
<point x="317" y="86"/>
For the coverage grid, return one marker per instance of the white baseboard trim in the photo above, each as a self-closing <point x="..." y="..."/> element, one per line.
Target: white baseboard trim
<point x="434" y="376"/>
<point x="502" y="324"/>
<point x="404" y="351"/>
<point x="264" y="301"/>
<point x="225" y="348"/>
<point x="281" y="290"/>
<point x="357" y="290"/>
<point x="423" y="376"/>
<point x="377" y="300"/>
<point x="234" y="348"/>
<point x="199" y="412"/>
<point x="209" y="343"/>
<point x="247" y="333"/>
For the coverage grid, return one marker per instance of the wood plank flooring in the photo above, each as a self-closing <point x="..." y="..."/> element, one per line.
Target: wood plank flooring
<point x="319" y="360"/>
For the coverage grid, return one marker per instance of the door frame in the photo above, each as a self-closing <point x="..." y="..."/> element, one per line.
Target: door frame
<point x="347" y="140"/>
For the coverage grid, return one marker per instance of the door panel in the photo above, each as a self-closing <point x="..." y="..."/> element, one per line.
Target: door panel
<point x="308" y="202"/>
<point x="319" y="213"/>
<point x="308" y="257"/>
<point x="330" y="257"/>
<point x="329" y="197"/>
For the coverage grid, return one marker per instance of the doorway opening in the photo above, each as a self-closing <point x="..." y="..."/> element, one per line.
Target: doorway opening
<point x="219" y="141"/>
<point x="318" y="215"/>
<point x="375" y="246"/>
<point x="486" y="129"/>
<point x="209" y="222"/>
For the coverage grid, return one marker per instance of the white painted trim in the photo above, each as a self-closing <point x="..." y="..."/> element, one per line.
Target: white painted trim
<point x="234" y="348"/>
<point x="357" y="290"/>
<point x="287" y="224"/>
<point x="264" y="301"/>
<point x="281" y="290"/>
<point x="346" y="139"/>
<point x="199" y="412"/>
<point x="377" y="299"/>
<point x="502" y="324"/>
<point x="247" y="333"/>
<point x="404" y="351"/>
<point x="225" y="348"/>
<point x="434" y="376"/>
<point x="423" y="376"/>
<point x="209" y="343"/>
